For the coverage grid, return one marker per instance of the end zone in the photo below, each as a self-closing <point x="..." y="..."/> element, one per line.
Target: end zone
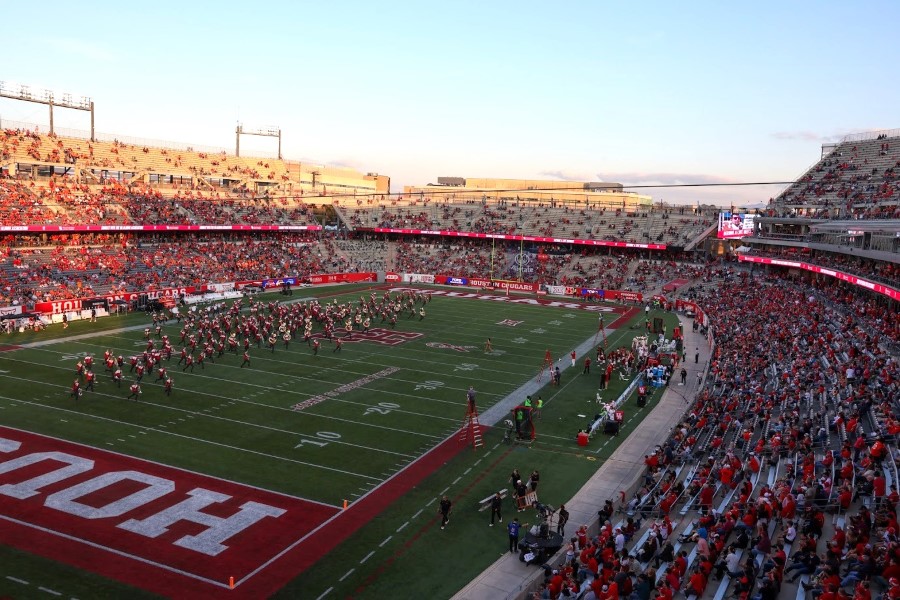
<point x="156" y="527"/>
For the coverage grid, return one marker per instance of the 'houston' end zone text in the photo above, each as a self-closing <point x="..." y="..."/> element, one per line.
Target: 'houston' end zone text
<point x="81" y="500"/>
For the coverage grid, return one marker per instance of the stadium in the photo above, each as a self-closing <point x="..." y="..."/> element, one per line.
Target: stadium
<point x="229" y="374"/>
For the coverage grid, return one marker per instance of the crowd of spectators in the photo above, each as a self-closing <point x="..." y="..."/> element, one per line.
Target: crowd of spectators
<point x="29" y="275"/>
<point x="61" y="201"/>
<point x="857" y="180"/>
<point x="675" y="226"/>
<point x="784" y="471"/>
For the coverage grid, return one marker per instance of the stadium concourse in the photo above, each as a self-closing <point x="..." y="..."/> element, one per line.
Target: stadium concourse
<point x="779" y="479"/>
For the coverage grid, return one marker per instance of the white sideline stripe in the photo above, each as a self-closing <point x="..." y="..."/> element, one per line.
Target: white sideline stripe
<point x="173" y="467"/>
<point x="114" y="551"/>
<point x="17" y="580"/>
<point x="325" y="593"/>
<point x="385" y="541"/>
<point x="466" y="472"/>
<point x="212" y="443"/>
<point x="49" y="591"/>
<point x="402" y="527"/>
<point x="418" y="513"/>
<point x="455" y="481"/>
<point x="346" y="575"/>
<point x="440" y="493"/>
<point x="367" y="557"/>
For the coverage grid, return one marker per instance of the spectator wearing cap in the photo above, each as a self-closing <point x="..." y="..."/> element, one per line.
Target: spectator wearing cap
<point x="556" y="584"/>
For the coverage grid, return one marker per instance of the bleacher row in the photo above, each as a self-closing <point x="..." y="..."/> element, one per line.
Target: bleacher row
<point x="856" y="180"/>
<point x="63" y="202"/>
<point x="35" y="148"/>
<point x="782" y="480"/>
<point x="72" y="266"/>
<point x="672" y="226"/>
<point x="30" y="274"/>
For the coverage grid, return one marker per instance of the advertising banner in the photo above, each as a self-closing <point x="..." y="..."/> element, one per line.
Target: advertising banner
<point x="275" y="283"/>
<point x="631" y="296"/>
<point x="342" y="278"/>
<point x="10" y="310"/>
<point x="418" y="278"/>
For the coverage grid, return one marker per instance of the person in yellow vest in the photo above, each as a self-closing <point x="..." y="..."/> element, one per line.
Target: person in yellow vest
<point x="538" y="405"/>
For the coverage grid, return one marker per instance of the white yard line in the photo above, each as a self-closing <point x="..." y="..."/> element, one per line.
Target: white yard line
<point x="200" y="440"/>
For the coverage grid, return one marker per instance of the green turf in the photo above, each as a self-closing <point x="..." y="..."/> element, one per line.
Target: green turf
<point x="238" y="424"/>
<point x="69" y="581"/>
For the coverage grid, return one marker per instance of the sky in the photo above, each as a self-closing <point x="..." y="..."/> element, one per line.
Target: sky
<point x="648" y="93"/>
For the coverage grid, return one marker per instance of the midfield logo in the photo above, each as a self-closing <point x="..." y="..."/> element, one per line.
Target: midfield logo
<point x="510" y="322"/>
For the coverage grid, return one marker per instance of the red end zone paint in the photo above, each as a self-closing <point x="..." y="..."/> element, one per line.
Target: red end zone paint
<point x="9" y="348"/>
<point x="160" y="528"/>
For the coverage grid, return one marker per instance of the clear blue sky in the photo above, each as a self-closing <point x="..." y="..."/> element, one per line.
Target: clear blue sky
<point x="649" y="92"/>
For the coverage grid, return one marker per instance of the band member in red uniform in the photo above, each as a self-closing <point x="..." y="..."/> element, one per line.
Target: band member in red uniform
<point x="135" y="390"/>
<point x="89" y="380"/>
<point x="315" y="347"/>
<point x="88" y="362"/>
<point x="168" y="386"/>
<point x="134" y="363"/>
<point x="338" y="344"/>
<point x="161" y="374"/>
<point x="117" y="377"/>
<point x="76" y="389"/>
<point x="79" y="369"/>
<point x="139" y="372"/>
<point x="188" y="363"/>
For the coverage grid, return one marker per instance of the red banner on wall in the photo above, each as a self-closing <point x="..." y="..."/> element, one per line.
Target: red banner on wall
<point x="515" y="286"/>
<point x="342" y="278"/>
<point x="115" y="228"/>
<point x="55" y="307"/>
<point x="861" y="282"/>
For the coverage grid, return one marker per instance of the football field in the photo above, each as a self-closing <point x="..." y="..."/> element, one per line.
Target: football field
<point x="301" y="471"/>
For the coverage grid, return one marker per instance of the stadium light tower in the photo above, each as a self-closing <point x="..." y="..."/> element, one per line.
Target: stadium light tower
<point x="264" y="132"/>
<point x="15" y="91"/>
